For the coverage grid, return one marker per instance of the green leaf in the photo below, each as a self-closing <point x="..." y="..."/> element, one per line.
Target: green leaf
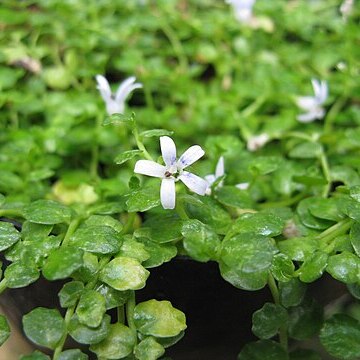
<point x="263" y="349"/>
<point x="354" y="290"/>
<point x="62" y="262"/>
<point x="232" y="196"/>
<point x="355" y="237"/>
<point x="327" y="209"/>
<point x="113" y="298"/>
<point x="118" y="344"/>
<point x="47" y="212"/>
<point x="91" y="308"/>
<point x="162" y="229"/>
<point x="267" y="321"/>
<point x="246" y="259"/>
<point x="263" y="165"/>
<point x="148" y="349"/>
<point x="73" y="354"/>
<point x="306" y="150"/>
<point x="35" y="232"/>
<point x="133" y="249"/>
<point x="4" y="329"/>
<point x="340" y="336"/>
<point x="21" y="274"/>
<point x="36" y="355"/>
<point x="282" y="268"/>
<point x="143" y="199"/>
<point x="70" y="293"/>
<point x="126" y="155"/>
<point x="123" y="273"/>
<point x="159" y="253"/>
<point x="159" y="318"/>
<point x="308" y="219"/>
<point x="104" y="220"/>
<point x="87" y="335"/>
<point x="156" y="132"/>
<point x="305" y="320"/>
<point x="170" y="341"/>
<point x="261" y="223"/>
<point x="118" y="119"/>
<point x="8" y="235"/>
<point x="2" y="199"/>
<point x="355" y="193"/>
<point x="88" y="269"/>
<point x="97" y="239"/>
<point x="313" y="267"/>
<point x="344" y="267"/>
<point x="298" y="248"/>
<point x="200" y="241"/>
<point x="292" y="292"/>
<point x="44" y="327"/>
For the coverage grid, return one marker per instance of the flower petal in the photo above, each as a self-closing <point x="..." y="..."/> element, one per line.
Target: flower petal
<point x="243" y="186"/>
<point x="257" y="142"/>
<point x="220" y="168"/>
<point x="306" y="102"/>
<point x="210" y="179"/>
<point x="149" y="168"/>
<point x="194" y="183"/>
<point x="192" y="154"/>
<point x="103" y="86"/>
<point x="308" y="117"/>
<point x="125" y="88"/>
<point x="316" y="86"/>
<point x="168" y="150"/>
<point x="324" y="92"/>
<point x="167" y="193"/>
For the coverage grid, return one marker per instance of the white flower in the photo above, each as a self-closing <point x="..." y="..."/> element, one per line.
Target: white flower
<point x="243" y="186"/>
<point x="219" y="172"/>
<point x="173" y="171"/>
<point x="346" y="8"/>
<point x="257" y="142"/>
<point x="115" y="103"/>
<point x="313" y="104"/>
<point x="242" y="9"/>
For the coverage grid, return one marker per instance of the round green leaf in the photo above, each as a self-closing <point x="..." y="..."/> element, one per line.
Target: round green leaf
<point x="246" y="259"/>
<point x="44" y="327"/>
<point x="344" y="267"/>
<point x="200" y="241"/>
<point x="20" y="274"/>
<point x="70" y="293"/>
<point x="62" y="263"/>
<point x="308" y="219"/>
<point x="354" y="290"/>
<point x="159" y="253"/>
<point x="263" y="349"/>
<point x="123" y="273"/>
<point x="149" y="349"/>
<point x="113" y="298"/>
<point x="305" y="320"/>
<point x="159" y="318"/>
<point x="36" y="355"/>
<point x="232" y="196"/>
<point x="47" y="212"/>
<point x="298" y="248"/>
<point x="267" y="320"/>
<point x="355" y="237"/>
<point x="282" y="268"/>
<point x="291" y="292"/>
<point x="143" y="199"/>
<point x="73" y="354"/>
<point x="313" y="267"/>
<point x="4" y="329"/>
<point x="340" y="336"/>
<point x="126" y="155"/>
<point x="91" y="308"/>
<point x="8" y="235"/>
<point x="97" y="239"/>
<point x="87" y="335"/>
<point x="118" y="344"/>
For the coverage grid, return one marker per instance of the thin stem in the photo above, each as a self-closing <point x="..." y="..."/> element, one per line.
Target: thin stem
<point x="121" y="314"/>
<point x="283" y="203"/>
<point x="140" y="145"/>
<point x="11" y="213"/>
<point x="332" y="232"/>
<point x="71" y="229"/>
<point x="180" y="209"/>
<point x="276" y="296"/>
<point x="298" y="135"/>
<point x="130" y="305"/>
<point x="94" y="164"/>
<point x="2" y="285"/>
<point x="332" y="113"/>
<point x="129" y="223"/>
<point x="253" y="107"/>
<point x="326" y="170"/>
<point x="58" y="349"/>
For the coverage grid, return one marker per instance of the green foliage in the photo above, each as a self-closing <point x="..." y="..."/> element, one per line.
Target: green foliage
<point x="4" y="329"/>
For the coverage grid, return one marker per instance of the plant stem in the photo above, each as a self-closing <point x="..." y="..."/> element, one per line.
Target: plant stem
<point x="121" y="314"/>
<point x="326" y="171"/>
<point x="2" y="285"/>
<point x="332" y="232"/>
<point x="58" y="349"/>
<point x="130" y="305"/>
<point x="11" y="212"/>
<point x="180" y="209"/>
<point x="332" y="113"/>
<point x="283" y="203"/>
<point x="95" y="151"/>
<point x="129" y="223"/>
<point x="140" y="145"/>
<point x="276" y="296"/>
<point x="71" y="229"/>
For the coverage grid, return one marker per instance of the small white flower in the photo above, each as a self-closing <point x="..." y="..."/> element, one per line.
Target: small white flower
<point x="173" y="171"/>
<point x="243" y="186"/>
<point x="346" y="8"/>
<point x="257" y="142"/>
<point x="242" y="9"/>
<point x="115" y="103"/>
<point x="313" y="104"/>
<point x="219" y="172"/>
